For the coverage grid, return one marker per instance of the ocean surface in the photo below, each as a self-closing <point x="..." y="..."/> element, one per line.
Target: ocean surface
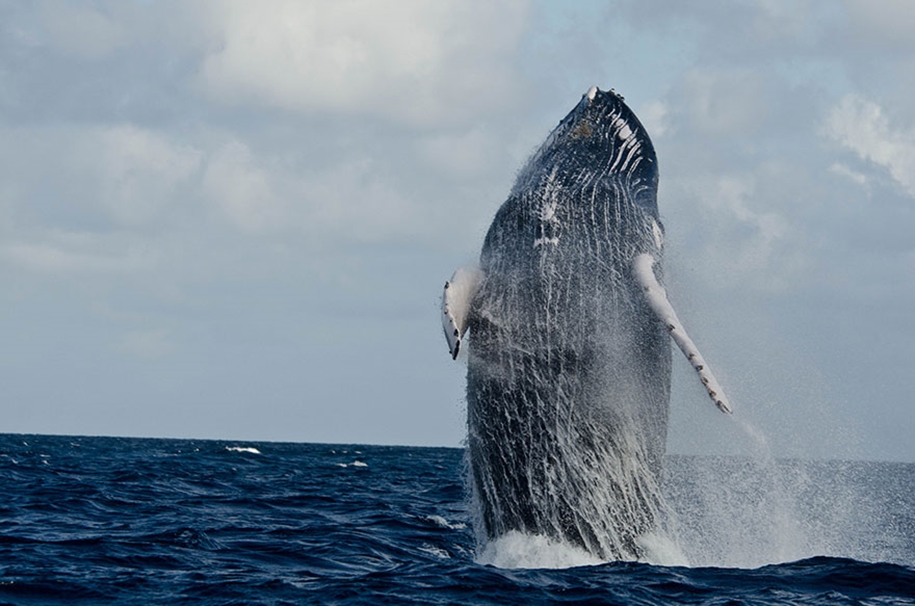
<point x="142" y="521"/>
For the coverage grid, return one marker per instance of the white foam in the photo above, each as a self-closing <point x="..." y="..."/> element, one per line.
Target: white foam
<point x="661" y="550"/>
<point x="445" y="523"/>
<point x="658" y="234"/>
<point x="518" y="550"/>
<point x="353" y="464"/>
<point x="248" y="449"/>
<point x="435" y="551"/>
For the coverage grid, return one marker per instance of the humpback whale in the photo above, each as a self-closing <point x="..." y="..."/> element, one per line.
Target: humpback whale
<point x="569" y="356"/>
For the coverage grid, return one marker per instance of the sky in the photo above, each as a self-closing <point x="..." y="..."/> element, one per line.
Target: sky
<point x="234" y="219"/>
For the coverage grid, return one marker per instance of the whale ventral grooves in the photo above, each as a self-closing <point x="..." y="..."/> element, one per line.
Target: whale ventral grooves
<point x="569" y="334"/>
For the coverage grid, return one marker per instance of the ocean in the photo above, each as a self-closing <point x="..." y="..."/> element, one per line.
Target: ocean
<point x="90" y="520"/>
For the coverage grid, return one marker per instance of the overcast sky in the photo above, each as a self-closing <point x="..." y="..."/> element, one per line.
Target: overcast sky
<point x="234" y="219"/>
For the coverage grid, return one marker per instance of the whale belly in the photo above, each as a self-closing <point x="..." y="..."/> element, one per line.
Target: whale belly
<point x="567" y="392"/>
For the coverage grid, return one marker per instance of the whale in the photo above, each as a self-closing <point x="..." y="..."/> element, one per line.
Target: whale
<point x="567" y="330"/>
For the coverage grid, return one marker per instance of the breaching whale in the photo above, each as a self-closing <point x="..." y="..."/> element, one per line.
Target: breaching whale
<point x="569" y="362"/>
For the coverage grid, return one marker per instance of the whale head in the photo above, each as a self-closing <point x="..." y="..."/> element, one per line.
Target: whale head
<point x="601" y="138"/>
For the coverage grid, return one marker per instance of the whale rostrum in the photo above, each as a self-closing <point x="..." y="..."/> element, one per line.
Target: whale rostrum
<point x="568" y="364"/>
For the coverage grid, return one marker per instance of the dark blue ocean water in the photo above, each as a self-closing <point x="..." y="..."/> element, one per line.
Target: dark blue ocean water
<point x="138" y="521"/>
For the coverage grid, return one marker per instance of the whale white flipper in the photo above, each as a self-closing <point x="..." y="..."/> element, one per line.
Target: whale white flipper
<point x="459" y="293"/>
<point x="657" y="299"/>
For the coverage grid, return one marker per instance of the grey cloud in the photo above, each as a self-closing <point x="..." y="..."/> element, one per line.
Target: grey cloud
<point x="862" y="127"/>
<point x="218" y="219"/>
<point x="400" y="61"/>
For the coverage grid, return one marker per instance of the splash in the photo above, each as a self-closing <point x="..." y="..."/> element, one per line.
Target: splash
<point x="518" y="550"/>
<point x="757" y="509"/>
<point x="733" y="512"/>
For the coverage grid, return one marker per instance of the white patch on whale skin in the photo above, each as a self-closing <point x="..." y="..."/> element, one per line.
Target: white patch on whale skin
<point x="623" y="132"/>
<point x="541" y="241"/>
<point x="656" y="297"/>
<point x="592" y="92"/>
<point x="658" y="234"/>
<point x="628" y="155"/>
<point x="547" y="216"/>
<point x="546" y="212"/>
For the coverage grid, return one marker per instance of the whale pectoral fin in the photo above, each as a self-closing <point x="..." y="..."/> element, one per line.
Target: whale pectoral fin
<point x="657" y="299"/>
<point x="456" y="299"/>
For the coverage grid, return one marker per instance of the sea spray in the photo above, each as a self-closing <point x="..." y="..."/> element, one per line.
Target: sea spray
<point x="742" y="512"/>
<point x="752" y="510"/>
<point x="732" y="512"/>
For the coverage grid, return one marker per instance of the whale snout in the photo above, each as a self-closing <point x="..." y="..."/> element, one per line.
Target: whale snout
<point x="594" y="93"/>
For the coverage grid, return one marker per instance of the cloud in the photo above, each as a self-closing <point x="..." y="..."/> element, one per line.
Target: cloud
<point x="137" y="170"/>
<point x="732" y="33"/>
<point x="777" y="21"/>
<point x="887" y="24"/>
<point x="862" y="127"/>
<point x="93" y="177"/>
<point x="355" y="199"/>
<point x="837" y="168"/>
<point x="242" y="190"/>
<point x="171" y="169"/>
<point x="80" y="253"/>
<point x="148" y="344"/>
<point x="734" y="244"/>
<point x="654" y="116"/>
<point x="82" y="31"/>
<point x="726" y="103"/>
<point x="466" y="154"/>
<point x="406" y="60"/>
<point x="354" y="202"/>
